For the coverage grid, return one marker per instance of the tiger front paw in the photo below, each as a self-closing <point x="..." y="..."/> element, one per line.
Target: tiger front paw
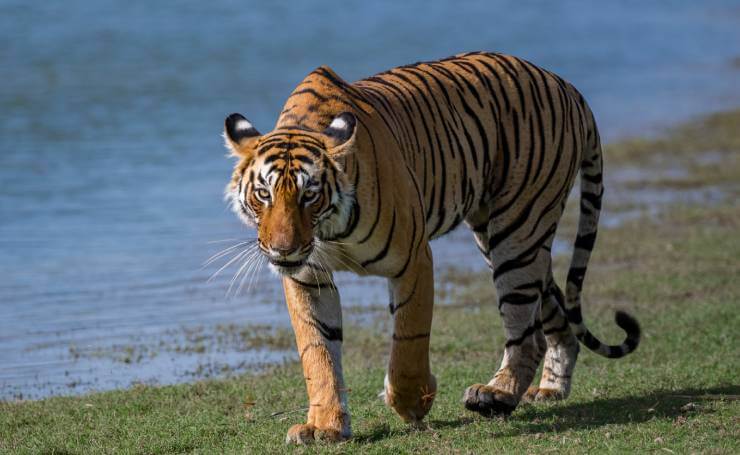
<point x="412" y="400"/>
<point x="306" y="433"/>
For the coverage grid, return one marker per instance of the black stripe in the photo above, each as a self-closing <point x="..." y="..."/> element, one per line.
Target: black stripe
<point x="530" y="330"/>
<point x="593" y="199"/>
<point x="559" y="328"/>
<point x="310" y="91"/>
<point x="558" y="294"/>
<point x="552" y="373"/>
<point x="377" y="190"/>
<point x="401" y="126"/>
<point x="576" y="276"/>
<point x="551" y="316"/>
<point x="596" y="179"/>
<point x="502" y="91"/>
<point x="423" y="118"/>
<point x="380" y="97"/>
<point x="516" y="298"/>
<point x="574" y="315"/>
<point x="410" y="337"/>
<point x="440" y="114"/>
<point x="590" y="341"/>
<point x="411" y="249"/>
<point x="522" y="259"/>
<point x="405" y="105"/>
<point x="382" y="254"/>
<point x="302" y="158"/>
<point x="536" y="284"/>
<point x="393" y="308"/>
<point x="524" y="215"/>
<point x="586" y="242"/>
<point x="515" y="79"/>
<point x="311" y="285"/>
<point x="523" y="186"/>
<point x="330" y="333"/>
<point x="354" y="212"/>
<point x="481" y="133"/>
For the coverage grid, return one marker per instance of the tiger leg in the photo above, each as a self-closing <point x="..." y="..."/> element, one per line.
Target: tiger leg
<point x="562" y="349"/>
<point x="316" y="316"/>
<point x="519" y="286"/>
<point x="410" y="386"/>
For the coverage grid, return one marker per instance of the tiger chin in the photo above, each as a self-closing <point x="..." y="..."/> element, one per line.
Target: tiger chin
<point x="362" y="176"/>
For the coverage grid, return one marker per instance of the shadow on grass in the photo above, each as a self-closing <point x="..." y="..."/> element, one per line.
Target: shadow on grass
<point x="383" y="431"/>
<point x="660" y="404"/>
<point x="558" y="417"/>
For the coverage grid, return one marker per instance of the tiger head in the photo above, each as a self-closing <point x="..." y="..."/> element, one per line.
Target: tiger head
<point x="290" y="185"/>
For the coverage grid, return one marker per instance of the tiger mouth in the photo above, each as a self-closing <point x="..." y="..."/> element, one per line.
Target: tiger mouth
<point x="287" y="264"/>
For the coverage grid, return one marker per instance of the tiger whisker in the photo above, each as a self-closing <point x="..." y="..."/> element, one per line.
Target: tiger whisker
<point x="255" y="274"/>
<point x="210" y="242"/>
<point x="336" y="242"/>
<point x="223" y="252"/>
<point x="245" y="262"/>
<point x="320" y="262"/>
<point x="339" y="254"/>
<point x="321" y="253"/>
<point x="248" y="260"/>
<point x="229" y="294"/>
<point x="251" y="270"/>
<point x="336" y="249"/>
<point x="231" y="261"/>
<point x="245" y="275"/>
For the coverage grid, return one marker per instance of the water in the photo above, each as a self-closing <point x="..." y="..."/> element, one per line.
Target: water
<point x="112" y="169"/>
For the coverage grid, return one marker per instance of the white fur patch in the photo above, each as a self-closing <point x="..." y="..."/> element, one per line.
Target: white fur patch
<point x="386" y="385"/>
<point x="242" y="125"/>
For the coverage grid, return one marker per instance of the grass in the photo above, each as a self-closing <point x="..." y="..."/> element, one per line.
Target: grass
<point x="707" y="148"/>
<point x="678" y="393"/>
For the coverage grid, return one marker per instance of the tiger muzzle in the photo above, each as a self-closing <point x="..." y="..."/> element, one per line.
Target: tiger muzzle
<point x="288" y="259"/>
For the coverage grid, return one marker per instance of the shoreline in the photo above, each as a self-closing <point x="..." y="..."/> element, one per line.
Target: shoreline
<point x="251" y="348"/>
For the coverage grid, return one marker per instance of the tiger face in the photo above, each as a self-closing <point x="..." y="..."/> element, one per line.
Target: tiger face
<point x="290" y="185"/>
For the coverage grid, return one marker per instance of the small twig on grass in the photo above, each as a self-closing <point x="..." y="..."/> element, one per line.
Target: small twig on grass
<point x="651" y="409"/>
<point x="275" y="414"/>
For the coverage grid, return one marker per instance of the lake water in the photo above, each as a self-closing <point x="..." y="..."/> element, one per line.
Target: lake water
<point x="112" y="166"/>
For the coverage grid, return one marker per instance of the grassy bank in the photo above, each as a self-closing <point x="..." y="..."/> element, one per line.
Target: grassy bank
<point x="677" y="272"/>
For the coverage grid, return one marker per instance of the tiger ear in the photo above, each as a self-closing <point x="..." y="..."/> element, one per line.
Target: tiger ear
<point x="340" y="134"/>
<point x="240" y="136"/>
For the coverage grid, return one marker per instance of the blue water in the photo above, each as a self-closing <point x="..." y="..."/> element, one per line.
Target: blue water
<point x="112" y="168"/>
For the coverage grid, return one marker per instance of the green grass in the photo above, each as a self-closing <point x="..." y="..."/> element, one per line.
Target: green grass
<point x="687" y="146"/>
<point x="678" y="393"/>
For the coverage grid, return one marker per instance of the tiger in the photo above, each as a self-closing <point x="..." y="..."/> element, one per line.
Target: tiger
<point x="361" y="176"/>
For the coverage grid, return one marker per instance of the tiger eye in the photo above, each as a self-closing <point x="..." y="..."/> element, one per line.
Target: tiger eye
<point x="262" y="194"/>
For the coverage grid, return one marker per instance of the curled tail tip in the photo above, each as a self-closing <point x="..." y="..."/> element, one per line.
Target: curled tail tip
<point x="628" y="323"/>
<point x="632" y="328"/>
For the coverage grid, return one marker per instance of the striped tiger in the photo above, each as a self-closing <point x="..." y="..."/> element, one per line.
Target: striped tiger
<point x="362" y="176"/>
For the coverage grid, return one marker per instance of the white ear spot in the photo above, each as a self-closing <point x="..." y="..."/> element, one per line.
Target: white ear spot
<point x="242" y="125"/>
<point x="338" y="124"/>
